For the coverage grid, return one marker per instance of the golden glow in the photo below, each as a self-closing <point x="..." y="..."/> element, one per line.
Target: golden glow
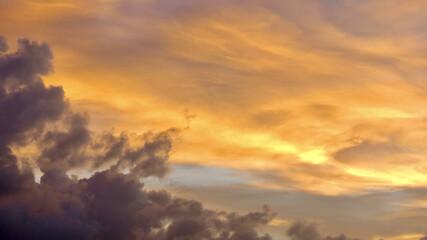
<point x="413" y="236"/>
<point x="314" y="156"/>
<point x="278" y="222"/>
<point x="268" y="92"/>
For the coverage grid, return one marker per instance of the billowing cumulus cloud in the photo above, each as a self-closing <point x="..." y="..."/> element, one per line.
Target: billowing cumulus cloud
<point x="111" y="203"/>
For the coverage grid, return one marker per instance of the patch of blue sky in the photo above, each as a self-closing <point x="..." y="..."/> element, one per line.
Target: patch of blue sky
<point x="182" y="175"/>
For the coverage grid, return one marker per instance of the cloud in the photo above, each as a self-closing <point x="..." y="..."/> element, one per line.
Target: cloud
<point x="304" y="230"/>
<point x="368" y="151"/>
<point x="26" y="105"/>
<point x="111" y="203"/>
<point x="3" y="44"/>
<point x="260" y="76"/>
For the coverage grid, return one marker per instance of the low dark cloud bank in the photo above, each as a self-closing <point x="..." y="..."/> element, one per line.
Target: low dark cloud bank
<point x="304" y="230"/>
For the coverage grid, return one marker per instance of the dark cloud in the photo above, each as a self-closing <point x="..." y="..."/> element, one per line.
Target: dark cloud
<point x="26" y="106"/>
<point x="26" y="64"/>
<point x="112" y="203"/>
<point x="304" y="230"/>
<point x="12" y="179"/>
<point x="64" y="149"/>
<point x="3" y="44"/>
<point x="368" y="151"/>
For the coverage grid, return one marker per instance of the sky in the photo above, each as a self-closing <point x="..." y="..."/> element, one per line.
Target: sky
<point x="313" y="109"/>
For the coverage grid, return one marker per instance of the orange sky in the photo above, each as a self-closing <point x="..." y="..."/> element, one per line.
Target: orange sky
<point x="324" y="98"/>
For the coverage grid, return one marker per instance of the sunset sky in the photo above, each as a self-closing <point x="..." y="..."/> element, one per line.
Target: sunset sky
<point x="314" y="108"/>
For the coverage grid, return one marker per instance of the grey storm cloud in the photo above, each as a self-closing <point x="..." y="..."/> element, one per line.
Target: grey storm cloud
<point x="110" y="204"/>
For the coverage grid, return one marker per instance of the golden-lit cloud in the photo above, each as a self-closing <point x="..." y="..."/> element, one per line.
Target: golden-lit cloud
<point x="270" y="89"/>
